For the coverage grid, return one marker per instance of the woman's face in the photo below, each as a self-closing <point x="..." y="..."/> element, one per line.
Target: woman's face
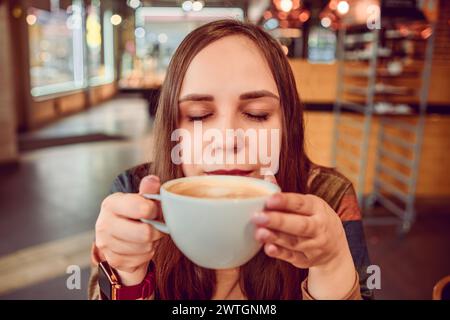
<point x="229" y="86"/>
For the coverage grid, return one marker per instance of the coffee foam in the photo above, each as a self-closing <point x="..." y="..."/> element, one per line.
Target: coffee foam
<point x="218" y="189"/>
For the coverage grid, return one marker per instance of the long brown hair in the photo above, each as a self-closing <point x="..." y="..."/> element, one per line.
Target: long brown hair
<point x="262" y="277"/>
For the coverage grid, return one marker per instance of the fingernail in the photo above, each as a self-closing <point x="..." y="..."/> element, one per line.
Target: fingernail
<point x="271" y="249"/>
<point x="262" y="234"/>
<point x="269" y="177"/>
<point x="274" y="200"/>
<point x="152" y="178"/>
<point x="260" y="218"/>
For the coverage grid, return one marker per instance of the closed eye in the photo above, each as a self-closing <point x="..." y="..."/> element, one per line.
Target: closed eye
<point x="257" y="117"/>
<point x="199" y="118"/>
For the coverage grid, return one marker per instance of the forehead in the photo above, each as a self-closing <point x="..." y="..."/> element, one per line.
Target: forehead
<point x="230" y="65"/>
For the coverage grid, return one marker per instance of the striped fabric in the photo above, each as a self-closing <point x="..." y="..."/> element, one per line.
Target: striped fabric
<point x="339" y="193"/>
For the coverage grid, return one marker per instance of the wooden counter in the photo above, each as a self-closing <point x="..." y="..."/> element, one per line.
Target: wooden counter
<point x="317" y="83"/>
<point x="433" y="178"/>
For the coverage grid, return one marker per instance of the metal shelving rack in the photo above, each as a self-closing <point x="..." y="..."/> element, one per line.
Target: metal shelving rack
<point x="343" y="105"/>
<point x="395" y="184"/>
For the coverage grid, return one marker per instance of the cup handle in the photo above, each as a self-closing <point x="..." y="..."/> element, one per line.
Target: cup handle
<point x="157" y="224"/>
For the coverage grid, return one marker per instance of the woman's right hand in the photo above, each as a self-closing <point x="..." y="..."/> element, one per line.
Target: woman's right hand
<point x="126" y="243"/>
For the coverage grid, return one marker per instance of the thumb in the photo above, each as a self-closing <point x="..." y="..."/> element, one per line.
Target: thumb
<point x="270" y="177"/>
<point x="149" y="184"/>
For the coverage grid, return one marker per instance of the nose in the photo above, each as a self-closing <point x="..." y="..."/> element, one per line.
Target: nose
<point x="232" y="142"/>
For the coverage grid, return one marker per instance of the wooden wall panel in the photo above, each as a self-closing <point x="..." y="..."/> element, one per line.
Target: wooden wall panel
<point x="8" y="139"/>
<point x="316" y="83"/>
<point x="71" y="103"/>
<point x="101" y="93"/>
<point x="42" y="112"/>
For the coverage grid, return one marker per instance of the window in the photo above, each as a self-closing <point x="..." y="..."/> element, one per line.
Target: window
<point x="321" y="45"/>
<point x="158" y="32"/>
<point x="56" y="49"/>
<point x="57" y="41"/>
<point x="100" y="45"/>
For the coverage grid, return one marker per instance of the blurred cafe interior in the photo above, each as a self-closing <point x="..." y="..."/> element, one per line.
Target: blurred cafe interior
<point x="79" y="87"/>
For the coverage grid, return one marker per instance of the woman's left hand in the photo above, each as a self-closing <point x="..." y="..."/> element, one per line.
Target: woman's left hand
<point x="300" y="229"/>
<point x="306" y="232"/>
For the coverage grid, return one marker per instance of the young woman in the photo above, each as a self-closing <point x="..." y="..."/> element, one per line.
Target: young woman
<point x="232" y="75"/>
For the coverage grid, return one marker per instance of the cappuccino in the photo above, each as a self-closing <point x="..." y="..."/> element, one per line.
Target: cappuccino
<point x="218" y="189"/>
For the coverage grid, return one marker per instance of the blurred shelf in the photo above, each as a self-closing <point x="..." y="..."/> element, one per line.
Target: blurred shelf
<point x="380" y="75"/>
<point x="380" y="88"/>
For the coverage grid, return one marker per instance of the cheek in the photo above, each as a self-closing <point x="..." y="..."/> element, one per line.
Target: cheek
<point x="272" y="131"/>
<point x="191" y="149"/>
<point x="269" y="145"/>
<point x="191" y="170"/>
<point x="277" y="124"/>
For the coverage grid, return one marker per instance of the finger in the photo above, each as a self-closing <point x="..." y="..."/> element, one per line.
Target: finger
<point x="291" y="202"/>
<point x="134" y="231"/>
<point x="149" y="184"/>
<point x="294" y="224"/>
<point x="282" y="239"/>
<point x="129" y="248"/>
<point x="270" y="177"/>
<point x="298" y="259"/>
<point x="133" y="206"/>
<point x="123" y="262"/>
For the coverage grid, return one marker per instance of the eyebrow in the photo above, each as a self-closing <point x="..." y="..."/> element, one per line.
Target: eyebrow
<point x="244" y="96"/>
<point x="258" y="94"/>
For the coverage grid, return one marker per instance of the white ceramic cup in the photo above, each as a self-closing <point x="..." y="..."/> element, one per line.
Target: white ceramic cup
<point x="212" y="233"/>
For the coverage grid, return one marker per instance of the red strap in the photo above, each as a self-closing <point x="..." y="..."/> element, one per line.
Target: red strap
<point x="140" y="291"/>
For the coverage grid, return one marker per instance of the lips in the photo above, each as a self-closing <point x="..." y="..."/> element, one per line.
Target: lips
<point x="234" y="172"/>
